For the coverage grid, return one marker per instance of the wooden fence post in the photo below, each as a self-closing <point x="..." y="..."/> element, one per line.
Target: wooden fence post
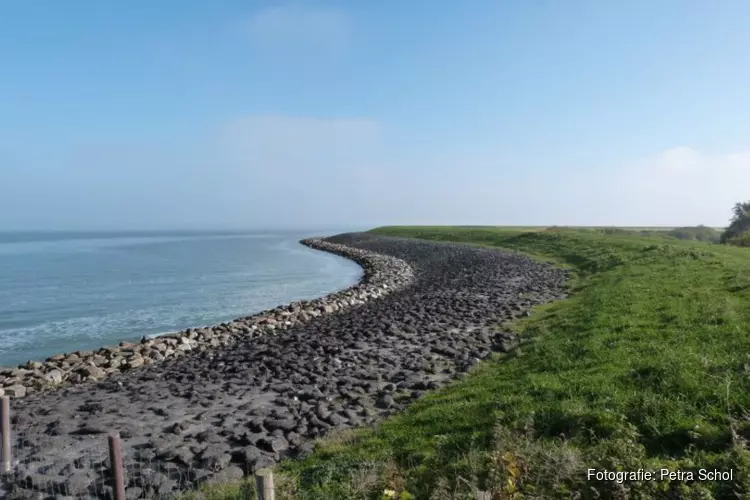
<point x="115" y="460"/>
<point x="5" y="429"/>
<point x="264" y="484"/>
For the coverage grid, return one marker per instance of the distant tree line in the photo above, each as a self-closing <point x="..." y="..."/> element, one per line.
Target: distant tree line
<point x="737" y="233"/>
<point x="700" y="233"/>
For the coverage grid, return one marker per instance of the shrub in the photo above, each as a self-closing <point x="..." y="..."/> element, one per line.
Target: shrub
<point x="739" y="224"/>
<point x="742" y="240"/>
<point x="700" y="233"/>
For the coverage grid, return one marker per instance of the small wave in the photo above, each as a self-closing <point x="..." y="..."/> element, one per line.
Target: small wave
<point x="126" y="297"/>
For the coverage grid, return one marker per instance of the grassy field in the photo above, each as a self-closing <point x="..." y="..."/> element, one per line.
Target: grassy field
<point x="646" y="366"/>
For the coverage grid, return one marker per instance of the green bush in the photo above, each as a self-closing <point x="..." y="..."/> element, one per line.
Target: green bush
<point x="616" y="231"/>
<point x="739" y="224"/>
<point x="742" y="240"/>
<point x="699" y="233"/>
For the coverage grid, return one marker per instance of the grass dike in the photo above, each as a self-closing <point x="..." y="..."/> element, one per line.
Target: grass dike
<point x="645" y="368"/>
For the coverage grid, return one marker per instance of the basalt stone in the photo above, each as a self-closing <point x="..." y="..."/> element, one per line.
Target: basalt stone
<point x="16" y="391"/>
<point x="214" y="458"/>
<point x="91" y="407"/>
<point x="72" y="359"/>
<point x="57" y="468"/>
<point x="89" y="429"/>
<point x="176" y="428"/>
<point x="132" y="493"/>
<point x="322" y="412"/>
<point x="54" y="376"/>
<point x="255" y="424"/>
<point x="281" y="424"/>
<point x="92" y="371"/>
<point x="228" y="422"/>
<point x="226" y="476"/>
<point x="135" y="362"/>
<point x="248" y="455"/>
<point x="385" y="401"/>
<point x="78" y="483"/>
<point x="183" y="455"/>
<point x="264" y="462"/>
<point x="150" y="479"/>
<point x="21" y="493"/>
<point x="316" y="422"/>
<point x="274" y="444"/>
<point x="304" y="450"/>
<point x="293" y="438"/>
<point x="336" y="420"/>
<point x="59" y="427"/>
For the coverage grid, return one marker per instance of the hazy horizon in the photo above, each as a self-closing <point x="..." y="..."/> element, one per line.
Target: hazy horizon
<point x="241" y="230"/>
<point x="300" y="114"/>
<point x="217" y="230"/>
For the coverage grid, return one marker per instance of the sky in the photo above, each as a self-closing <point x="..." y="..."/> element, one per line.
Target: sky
<point x="259" y="114"/>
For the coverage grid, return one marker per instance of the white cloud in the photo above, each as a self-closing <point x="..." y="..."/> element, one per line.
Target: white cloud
<point x="679" y="186"/>
<point x="346" y="170"/>
<point x="293" y="26"/>
<point x="680" y="160"/>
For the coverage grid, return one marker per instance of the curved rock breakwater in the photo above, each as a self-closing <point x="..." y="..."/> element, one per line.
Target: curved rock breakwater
<point x="382" y="275"/>
<point x="217" y="414"/>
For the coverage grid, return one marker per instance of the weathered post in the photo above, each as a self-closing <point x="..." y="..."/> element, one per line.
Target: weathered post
<point x="264" y="484"/>
<point x="115" y="460"/>
<point x="5" y="429"/>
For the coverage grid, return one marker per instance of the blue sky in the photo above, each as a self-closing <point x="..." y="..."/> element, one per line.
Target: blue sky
<point x="241" y="114"/>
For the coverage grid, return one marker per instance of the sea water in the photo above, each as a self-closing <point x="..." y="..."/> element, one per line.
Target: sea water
<point x="62" y="292"/>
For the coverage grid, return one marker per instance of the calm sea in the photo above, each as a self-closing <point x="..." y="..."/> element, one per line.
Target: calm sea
<point x="61" y="292"/>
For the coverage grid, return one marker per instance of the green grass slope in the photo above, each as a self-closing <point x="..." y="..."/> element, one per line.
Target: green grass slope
<point x="646" y="366"/>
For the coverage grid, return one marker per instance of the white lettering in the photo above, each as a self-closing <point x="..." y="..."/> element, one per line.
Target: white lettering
<point x="715" y="475"/>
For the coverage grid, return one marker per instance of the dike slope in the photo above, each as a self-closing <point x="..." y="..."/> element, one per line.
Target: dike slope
<point x="219" y="413"/>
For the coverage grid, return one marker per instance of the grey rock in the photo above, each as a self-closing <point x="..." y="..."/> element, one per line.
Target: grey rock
<point x="385" y="401"/>
<point x="336" y="420"/>
<point x="78" y="482"/>
<point x="148" y="478"/>
<point x="133" y="493"/>
<point x="92" y="371"/>
<point x="135" y="362"/>
<point x="263" y="463"/>
<point x="283" y="424"/>
<point x="16" y="391"/>
<point x="293" y="438"/>
<point x="322" y="412"/>
<point x="91" y="407"/>
<point x="275" y="444"/>
<point x="305" y="450"/>
<point x="250" y="454"/>
<point x="229" y="475"/>
<point x="24" y="494"/>
<point x="54" y="377"/>
<point x="214" y="458"/>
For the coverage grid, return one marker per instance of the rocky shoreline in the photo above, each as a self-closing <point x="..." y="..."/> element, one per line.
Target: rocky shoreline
<point x="382" y="275"/>
<point x="430" y="311"/>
